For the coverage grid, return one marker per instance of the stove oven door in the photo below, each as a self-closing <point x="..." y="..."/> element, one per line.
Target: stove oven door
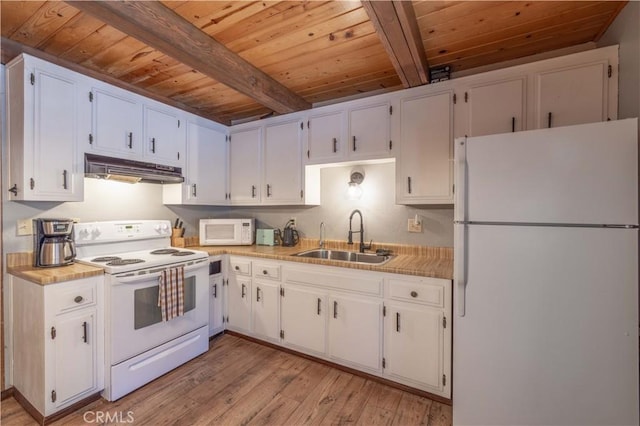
<point x="135" y="321"/>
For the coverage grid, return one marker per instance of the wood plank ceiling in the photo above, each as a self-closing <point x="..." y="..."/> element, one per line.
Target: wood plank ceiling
<point x="310" y="51"/>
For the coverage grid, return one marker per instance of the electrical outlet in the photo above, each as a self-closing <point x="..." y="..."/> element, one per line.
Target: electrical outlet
<point x="413" y="226"/>
<point x="292" y="221"/>
<point x="24" y="227"/>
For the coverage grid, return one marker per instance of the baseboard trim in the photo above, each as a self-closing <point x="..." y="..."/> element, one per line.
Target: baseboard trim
<point x="42" y="420"/>
<point x="353" y="371"/>
<point x="7" y="393"/>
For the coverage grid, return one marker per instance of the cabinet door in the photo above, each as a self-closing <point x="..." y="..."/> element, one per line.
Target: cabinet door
<point x="496" y="107"/>
<point x="369" y="131"/>
<point x="164" y="137"/>
<point x="57" y="174"/>
<point x="239" y="302"/>
<point x="117" y="125"/>
<point x="216" y="304"/>
<point x="325" y="143"/>
<point x="266" y="309"/>
<point x="75" y="354"/>
<point x="424" y="166"/>
<point x="414" y="345"/>
<point x="572" y="96"/>
<point x="303" y="315"/>
<point x="355" y="331"/>
<point x="207" y="165"/>
<point x="245" y="166"/>
<point x="283" y="163"/>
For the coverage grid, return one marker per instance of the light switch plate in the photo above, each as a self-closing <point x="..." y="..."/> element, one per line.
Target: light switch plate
<point x="24" y="227"/>
<point x="412" y="226"/>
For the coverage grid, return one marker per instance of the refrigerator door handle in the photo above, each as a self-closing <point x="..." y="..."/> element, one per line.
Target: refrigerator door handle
<point x="459" y="267"/>
<point x="460" y="214"/>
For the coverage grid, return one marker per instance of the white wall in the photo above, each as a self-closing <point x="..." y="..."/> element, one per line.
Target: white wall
<point x="625" y="31"/>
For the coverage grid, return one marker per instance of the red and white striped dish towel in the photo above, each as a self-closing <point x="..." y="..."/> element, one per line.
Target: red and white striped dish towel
<point x="171" y="293"/>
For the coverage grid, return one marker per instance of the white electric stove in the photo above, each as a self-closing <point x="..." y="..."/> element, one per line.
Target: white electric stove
<point x="139" y="345"/>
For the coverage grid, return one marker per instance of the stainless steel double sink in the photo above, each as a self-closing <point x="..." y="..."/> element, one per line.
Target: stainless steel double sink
<point x="345" y="256"/>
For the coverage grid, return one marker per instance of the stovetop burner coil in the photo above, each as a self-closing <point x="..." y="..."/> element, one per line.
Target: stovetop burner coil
<point x="105" y="259"/>
<point x="120" y="262"/>
<point x="183" y="253"/>
<point x="165" y="251"/>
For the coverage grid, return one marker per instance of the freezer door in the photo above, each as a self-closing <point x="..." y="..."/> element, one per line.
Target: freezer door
<point x="585" y="174"/>
<point x="550" y="331"/>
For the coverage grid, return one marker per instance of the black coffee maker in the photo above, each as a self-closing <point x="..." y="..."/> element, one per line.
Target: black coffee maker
<point x="53" y="242"/>
<point x="290" y="236"/>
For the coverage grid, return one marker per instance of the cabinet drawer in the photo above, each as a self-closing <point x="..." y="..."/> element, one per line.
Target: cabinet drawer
<point x="74" y="296"/>
<point x="261" y="270"/>
<point x="240" y="266"/>
<point x="428" y="292"/>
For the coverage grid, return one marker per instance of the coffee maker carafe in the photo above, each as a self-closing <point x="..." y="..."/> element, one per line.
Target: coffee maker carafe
<point x="53" y="242"/>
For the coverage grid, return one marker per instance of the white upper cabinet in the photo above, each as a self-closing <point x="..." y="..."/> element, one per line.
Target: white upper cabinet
<point x="206" y="166"/>
<point x="495" y="107"/>
<point x="573" y="95"/>
<point x="117" y="124"/>
<point x="424" y="173"/>
<point x="245" y="166"/>
<point x="164" y="136"/>
<point x="370" y="131"/>
<point x="283" y="163"/>
<point x="326" y="139"/>
<point x="47" y="117"/>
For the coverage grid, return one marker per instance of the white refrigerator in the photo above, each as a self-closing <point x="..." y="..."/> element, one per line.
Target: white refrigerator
<point x="546" y="277"/>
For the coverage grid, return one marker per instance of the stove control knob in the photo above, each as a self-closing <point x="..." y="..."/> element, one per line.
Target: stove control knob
<point x="95" y="233"/>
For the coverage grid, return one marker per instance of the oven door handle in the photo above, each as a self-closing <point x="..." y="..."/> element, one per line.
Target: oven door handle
<point x="127" y="279"/>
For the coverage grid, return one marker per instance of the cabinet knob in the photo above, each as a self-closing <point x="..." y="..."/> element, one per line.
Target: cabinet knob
<point x="265" y="272"/>
<point x="414" y="294"/>
<point x="78" y="299"/>
<point x="237" y="268"/>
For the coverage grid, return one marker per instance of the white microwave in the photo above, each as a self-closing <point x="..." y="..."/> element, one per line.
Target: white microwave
<point x="227" y="232"/>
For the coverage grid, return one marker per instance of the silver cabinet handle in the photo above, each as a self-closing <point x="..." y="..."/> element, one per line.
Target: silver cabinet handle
<point x="253" y="191"/>
<point x="153" y="145"/>
<point x="268" y="190"/>
<point x="319" y="303"/>
<point x="409" y="184"/>
<point x="398" y="322"/>
<point x="335" y="145"/>
<point x="64" y="179"/>
<point x="130" y="144"/>
<point x="513" y="124"/>
<point x="354" y="143"/>
<point x="257" y="294"/>
<point x="335" y="309"/>
<point x="194" y="190"/>
<point x="84" y="332"/>
<point x="549" y="119"/>
<point x="215" y="291"/>
<point x="244" y="291"/>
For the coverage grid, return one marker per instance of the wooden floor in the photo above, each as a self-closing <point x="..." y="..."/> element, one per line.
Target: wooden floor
<point x="238" y="382"/>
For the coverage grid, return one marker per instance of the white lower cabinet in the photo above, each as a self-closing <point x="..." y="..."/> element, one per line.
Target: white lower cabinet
<point x="58" y="342"/>
<point x="389" y="325"/>
<point x="417" y="335"/>
<point x="239" y="295"/>
<point x="354" y="331"/>
<point x="216" y="304"/>
<point x="266" y="309"/>
<point x="304" y="318"/>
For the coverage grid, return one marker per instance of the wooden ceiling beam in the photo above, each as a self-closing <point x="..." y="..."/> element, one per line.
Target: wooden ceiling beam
<point x="9" y="49"/>
<point x="163" y="29"/>
<point x="397" y="27"/>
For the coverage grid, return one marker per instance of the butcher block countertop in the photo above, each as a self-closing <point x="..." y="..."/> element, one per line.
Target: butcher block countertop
<point x="44" y="276"/>
<point x="435" y="262"/>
